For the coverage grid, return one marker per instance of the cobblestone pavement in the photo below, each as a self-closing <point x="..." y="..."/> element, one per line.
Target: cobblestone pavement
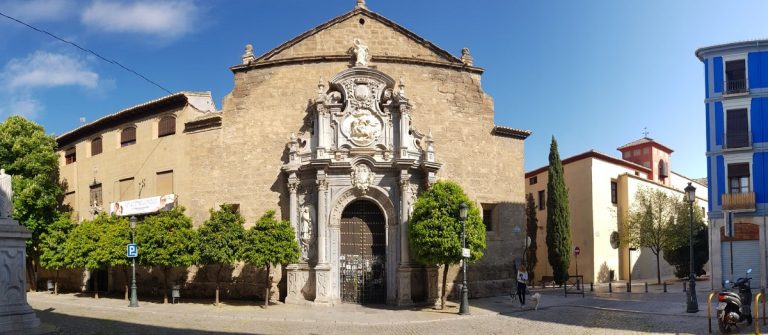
<point x="617" y="313"/>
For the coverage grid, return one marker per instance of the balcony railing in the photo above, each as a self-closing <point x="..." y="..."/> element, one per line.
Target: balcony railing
<point x="734" y="140"/>
<point x="736" y="86"/>
<point x="739" y="201"/>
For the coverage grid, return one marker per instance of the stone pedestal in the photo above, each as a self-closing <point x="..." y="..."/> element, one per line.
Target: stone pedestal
<point x="297" y="282"/>
<point x="16" y="316"/>
<point x="433" y="286"/>
<point x="323" y="284"/>
<point x="404" y="286"/>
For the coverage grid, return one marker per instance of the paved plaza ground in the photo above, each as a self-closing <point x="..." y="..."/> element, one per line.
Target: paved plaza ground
<point x="598" y="312"/>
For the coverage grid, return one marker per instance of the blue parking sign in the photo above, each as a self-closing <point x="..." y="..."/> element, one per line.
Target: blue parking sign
<point x="133" y="251"/>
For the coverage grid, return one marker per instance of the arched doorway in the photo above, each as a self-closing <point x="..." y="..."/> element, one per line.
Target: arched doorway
<point x="362" y="258"/>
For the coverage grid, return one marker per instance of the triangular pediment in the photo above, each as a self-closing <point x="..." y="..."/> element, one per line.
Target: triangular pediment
<point x="385" y="39"/>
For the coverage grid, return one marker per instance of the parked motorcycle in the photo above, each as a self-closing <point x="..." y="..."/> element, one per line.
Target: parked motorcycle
<point x="735" y="307"/>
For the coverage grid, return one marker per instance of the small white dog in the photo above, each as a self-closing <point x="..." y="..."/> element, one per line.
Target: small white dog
<point x="536" y="299"/>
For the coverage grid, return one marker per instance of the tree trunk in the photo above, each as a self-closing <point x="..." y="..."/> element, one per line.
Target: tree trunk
<point x="658" y="269"/>
<point x="445" y="292"/>
<point x="268" y="285"/>
<point x="218" y="275"/>
<point x="56" y="283"/>
<point x="95" y="287"/>
<point x="127" y="281"/>
<point x="165" y="284"/>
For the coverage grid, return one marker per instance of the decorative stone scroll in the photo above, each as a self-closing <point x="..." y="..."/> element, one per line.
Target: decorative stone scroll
<point x="362" y="177"/>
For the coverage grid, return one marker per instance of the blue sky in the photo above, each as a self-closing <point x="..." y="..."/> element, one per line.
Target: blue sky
<point x="591" y="73"/>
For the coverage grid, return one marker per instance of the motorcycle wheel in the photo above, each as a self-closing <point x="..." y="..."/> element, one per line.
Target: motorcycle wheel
<point x="724" y="326"/>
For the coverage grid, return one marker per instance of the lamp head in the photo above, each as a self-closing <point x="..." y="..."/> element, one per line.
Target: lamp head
<point x="690" y="193"/>
<point x="463" y="211"/>
<point x="133" y="222"/>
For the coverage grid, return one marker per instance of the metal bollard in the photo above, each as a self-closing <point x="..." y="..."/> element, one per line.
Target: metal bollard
<point x="684" y="289"/>
<point x="610" y="287"/>
<point x="591" y="287"/>
<point x="629" y="288"/>
<point x="646" y="287"/>
<point x="665" y="287"/>
<point x="578" y="284"/>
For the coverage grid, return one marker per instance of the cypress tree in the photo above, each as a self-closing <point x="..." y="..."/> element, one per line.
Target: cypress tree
<point x="558" y="218"/>
<point x="532" y="227"/>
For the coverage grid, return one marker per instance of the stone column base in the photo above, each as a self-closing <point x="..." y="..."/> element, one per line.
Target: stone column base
<point x="404" y="286"/>
<point x="433" y="286"/>
<point x="16" y="316"/>
<point x="296" y="283"/>
<point x="323" y="284"/>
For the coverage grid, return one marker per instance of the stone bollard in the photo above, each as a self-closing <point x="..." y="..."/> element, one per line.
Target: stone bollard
<point x="665" y="287"/>
<point x="646" y="287"/>
<point x="610" y="287"/>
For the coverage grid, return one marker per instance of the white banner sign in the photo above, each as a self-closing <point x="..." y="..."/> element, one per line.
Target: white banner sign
<point x="142" y="206"/>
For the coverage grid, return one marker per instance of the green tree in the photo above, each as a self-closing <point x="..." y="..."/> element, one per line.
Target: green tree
<point x="27" y="153"/>
<point x="650" y="221"/>
<point x="532" y="227"/>
<point x="435" y="229"/>
<point x="82" y="243"/>
<point x="111" y="252"/>
<point x="220" y="238"/>
<point x="558" y="218"/>
<point x="270" y="242"/>
<point x="677" y="252"/>
<point x="167" y="240"/>
<point x="52" y="247"/>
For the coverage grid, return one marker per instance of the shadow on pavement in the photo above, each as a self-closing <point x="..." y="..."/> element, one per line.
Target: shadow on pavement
<point x="69" y="324"/>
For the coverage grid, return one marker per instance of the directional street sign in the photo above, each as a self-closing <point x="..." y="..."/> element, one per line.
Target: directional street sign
<point x="132" y="250"/>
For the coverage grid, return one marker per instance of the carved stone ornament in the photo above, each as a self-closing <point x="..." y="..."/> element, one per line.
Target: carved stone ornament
<point x="362" y="177"/>
<point x="362" y="127"/>
<point x="306" y="232"/>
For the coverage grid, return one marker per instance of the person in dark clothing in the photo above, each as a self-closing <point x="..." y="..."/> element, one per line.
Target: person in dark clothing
<point x="522" y="280"/>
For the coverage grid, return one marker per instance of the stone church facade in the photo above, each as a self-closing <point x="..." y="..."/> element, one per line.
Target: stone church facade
<point x="339" y="129"/>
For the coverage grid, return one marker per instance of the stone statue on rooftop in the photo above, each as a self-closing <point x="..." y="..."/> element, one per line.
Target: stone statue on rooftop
<point x="361" y="52"/>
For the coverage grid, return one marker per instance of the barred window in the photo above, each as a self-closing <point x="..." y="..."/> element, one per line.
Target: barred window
<point x="128" y="136"/>
<point x="96" y="146"/>
<point x="166" y="126"/>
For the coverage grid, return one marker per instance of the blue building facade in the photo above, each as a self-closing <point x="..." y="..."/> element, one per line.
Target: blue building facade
<point x="736" y="114"/>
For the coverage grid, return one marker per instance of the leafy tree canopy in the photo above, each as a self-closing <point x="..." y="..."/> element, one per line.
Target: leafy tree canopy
<point x="167" y="239"/>
<point x="435" y="227"/>
<point x="53" y="242"/>
<point x="221" y="236"/>
<point x="270" y="242"/>
<point x="677" y="253"/>
<point x="28" y="154"/>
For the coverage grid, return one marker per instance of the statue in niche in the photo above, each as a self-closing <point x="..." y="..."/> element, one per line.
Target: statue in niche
<point x="361" y="52"/>
<point x="6" y="192"/>
<point x="305" y="235"/>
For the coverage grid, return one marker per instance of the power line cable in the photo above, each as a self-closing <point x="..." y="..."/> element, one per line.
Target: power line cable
<point x="88" y="51"/>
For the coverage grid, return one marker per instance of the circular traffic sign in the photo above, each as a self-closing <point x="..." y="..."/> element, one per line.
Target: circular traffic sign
<point x="576" y="251"/>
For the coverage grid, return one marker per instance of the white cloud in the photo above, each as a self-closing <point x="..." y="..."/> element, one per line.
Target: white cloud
<point x="20" y="104"/>
<point x="39" y="10"/>
<point x="44" y="69"/>
<point x="166" y="19"/>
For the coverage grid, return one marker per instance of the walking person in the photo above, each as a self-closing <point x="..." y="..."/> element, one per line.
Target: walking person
<point x="522" y="280"/>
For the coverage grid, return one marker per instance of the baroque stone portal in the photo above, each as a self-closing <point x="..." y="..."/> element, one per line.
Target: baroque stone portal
<point x="360" y="150"/>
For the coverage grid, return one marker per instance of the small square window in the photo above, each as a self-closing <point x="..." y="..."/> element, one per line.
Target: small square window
<point x="636" y="152"/>
<point x="70" y="155"/>
<point x="533" y="180"/>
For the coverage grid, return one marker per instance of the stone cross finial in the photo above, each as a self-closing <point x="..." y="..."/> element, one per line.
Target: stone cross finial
<point x="248" y="55"/>
<point x="466" y="58"/>
<point x="361" y="4"/>
<point x="6" y="195"/>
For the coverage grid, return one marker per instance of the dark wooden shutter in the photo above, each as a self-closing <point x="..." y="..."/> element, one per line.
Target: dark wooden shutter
<point x="738" y="170"/>
<point x="96" y="146"/>
<point x="737" y="131"/>
<point x="70" y="155"/>
<point x="128" y="136"/>
<point x="166" y="126"/>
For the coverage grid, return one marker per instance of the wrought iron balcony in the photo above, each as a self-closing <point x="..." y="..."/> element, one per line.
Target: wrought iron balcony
<point x="736" y="86"/>
<point x="739" y="202"/>
<point x="734" y="140"/>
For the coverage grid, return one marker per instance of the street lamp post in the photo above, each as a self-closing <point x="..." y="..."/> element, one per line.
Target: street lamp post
<point x="693" y="305"/>
<point x="134" y="300"/>
<point x="464" y="307"/>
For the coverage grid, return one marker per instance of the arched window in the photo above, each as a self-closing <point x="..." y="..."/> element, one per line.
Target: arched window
<point x="128" y="136"/>
<point x="96" y="146"/>
<point x="166" y="126"/>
